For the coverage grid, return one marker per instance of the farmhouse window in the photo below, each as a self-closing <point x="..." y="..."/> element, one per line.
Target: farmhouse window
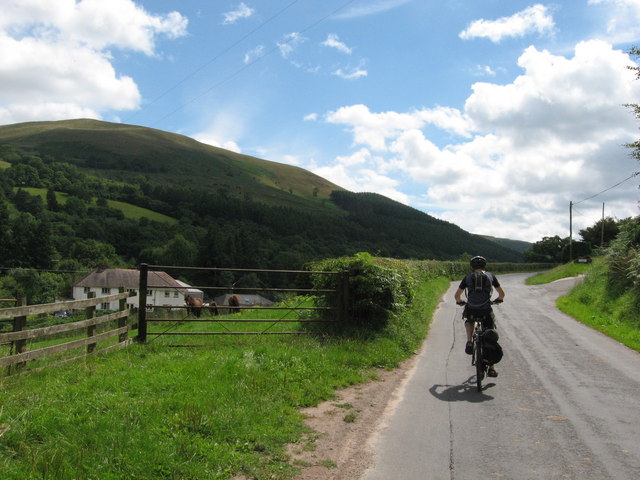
<point x="175" y="294"/>
<point x="167" y="294"/>
<point x="149" y="293"/>
<point x="106" y="290"/>
<point x="87" y="289"/>
<point x="132" y="290"/>
<point x="104" y="306"/>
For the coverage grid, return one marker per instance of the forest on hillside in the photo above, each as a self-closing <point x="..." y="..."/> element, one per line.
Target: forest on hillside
<point x="72" y="227"/>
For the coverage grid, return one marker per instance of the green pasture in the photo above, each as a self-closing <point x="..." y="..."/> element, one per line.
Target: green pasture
<point x="226" y="408"/>
<point x="130" y="211"/>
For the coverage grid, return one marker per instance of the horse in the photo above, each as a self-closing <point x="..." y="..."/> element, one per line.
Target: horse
<point x="194" y="305"/>
<point x="213" y="307"/>
<point x="234" y="301"/>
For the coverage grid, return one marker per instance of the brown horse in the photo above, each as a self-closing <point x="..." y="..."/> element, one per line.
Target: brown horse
<point x="234" y="301"/>
<point x="213" y="307"/>
<point x="194" y="305"/>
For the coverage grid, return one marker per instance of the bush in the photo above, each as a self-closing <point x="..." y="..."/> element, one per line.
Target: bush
<point x="375" y="290"/>
<point x="623" y="256"/>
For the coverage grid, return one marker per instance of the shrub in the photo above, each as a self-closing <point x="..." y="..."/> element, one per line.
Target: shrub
<point x="623" y="256"/>
<point x="375" y="290"/>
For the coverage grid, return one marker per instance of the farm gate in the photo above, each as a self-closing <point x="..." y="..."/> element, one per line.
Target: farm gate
<point x="293" y="298"/>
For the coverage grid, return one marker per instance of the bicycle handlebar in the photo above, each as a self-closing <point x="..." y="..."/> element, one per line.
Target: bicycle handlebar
<point x="497" y="301"/>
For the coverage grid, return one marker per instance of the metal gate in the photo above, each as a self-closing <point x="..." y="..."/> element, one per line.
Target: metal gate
<point x="266" y="324"/>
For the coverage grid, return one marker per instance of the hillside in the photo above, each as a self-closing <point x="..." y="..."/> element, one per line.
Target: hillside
<point x="517" y="245"/>
<point x="119" y="152"/>
<point x="231" y="209"/>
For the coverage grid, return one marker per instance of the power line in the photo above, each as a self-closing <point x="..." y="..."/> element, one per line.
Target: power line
<point x="607" y="189"/>
<point x="216" y="57"/>
<point x="247" y="65"/>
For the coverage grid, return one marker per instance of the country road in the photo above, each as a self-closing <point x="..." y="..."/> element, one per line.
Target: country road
<point x="566" y="404"/>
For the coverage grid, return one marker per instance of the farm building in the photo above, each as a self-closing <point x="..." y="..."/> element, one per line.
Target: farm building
<point x="245" y="300"/>
<point x="162" y="289"/>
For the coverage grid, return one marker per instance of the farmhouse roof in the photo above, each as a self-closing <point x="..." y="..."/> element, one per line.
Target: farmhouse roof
<point x="127" y="278"/>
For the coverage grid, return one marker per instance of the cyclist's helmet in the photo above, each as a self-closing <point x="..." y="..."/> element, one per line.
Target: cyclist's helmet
<point x="478" y="262"/>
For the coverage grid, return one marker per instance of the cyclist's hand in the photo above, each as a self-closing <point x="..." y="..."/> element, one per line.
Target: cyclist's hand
<point x="462" y="303"/>
<point x="498" y="300"/>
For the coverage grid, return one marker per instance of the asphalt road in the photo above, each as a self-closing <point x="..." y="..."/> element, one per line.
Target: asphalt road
<point x="566" y="403"/>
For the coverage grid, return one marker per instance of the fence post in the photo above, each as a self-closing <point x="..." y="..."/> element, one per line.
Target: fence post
<point x="343" y="297"/>
<point x="142" y="303"/>
<point x="90" y="312"/>
<point x="122" y="321"/>
<point x="19" y="324"/>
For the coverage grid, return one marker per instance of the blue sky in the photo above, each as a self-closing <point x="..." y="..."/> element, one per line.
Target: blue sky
<point x="493" y="115"/>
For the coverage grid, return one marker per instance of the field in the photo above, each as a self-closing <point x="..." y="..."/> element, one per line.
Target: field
<point x="129" y="211"/>
<point x="156" y="412"/>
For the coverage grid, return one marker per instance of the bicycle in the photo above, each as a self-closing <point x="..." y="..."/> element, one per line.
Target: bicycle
<point x="477" y="359"/>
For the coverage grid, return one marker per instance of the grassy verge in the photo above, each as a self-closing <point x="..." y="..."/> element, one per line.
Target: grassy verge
<point x="559" y="272"/>
<point x="594" y="303"/>
<point x="154" y="412"/>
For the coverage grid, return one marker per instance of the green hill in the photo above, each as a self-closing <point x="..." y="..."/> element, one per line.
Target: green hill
<point x="119" y="152"/>
<point x="231" y="209"/>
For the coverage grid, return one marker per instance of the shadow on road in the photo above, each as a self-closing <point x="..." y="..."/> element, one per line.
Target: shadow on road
<point x="466" y="392"/>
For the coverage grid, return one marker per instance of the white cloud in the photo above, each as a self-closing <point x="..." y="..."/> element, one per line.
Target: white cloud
<point x="241" y="11"/>
<point x="290" y="43"/>
<point x="553" y="135"/>
<point x="622" y="20"/>
<point x="368" y="7"/>
<point x="223" y="130"/>
<point x="311" y="117"/>
<point x="351" y="74"/>
<point x="534" y="19"/>
<point x="253" y="54"/>
<point x="55" y="62"/>
<point x="333" y="41"/>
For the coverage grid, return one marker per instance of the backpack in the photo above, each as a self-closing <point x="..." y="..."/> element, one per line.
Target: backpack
<point x="479" y="289"/>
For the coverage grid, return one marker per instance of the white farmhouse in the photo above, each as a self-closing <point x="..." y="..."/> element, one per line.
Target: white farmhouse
<point x="162" y="289"/>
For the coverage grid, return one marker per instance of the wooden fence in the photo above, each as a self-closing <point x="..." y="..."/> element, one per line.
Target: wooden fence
<point x="17" y="340"/>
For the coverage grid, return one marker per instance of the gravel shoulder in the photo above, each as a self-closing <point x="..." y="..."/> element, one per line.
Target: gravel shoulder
<point x="340" y="447"/>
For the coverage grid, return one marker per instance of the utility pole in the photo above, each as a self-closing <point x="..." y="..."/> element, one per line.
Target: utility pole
<point x="570" y="231"/>
<point x="602" y="230"/>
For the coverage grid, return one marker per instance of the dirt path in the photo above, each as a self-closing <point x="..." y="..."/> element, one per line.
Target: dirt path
<point x="342" y="446"/>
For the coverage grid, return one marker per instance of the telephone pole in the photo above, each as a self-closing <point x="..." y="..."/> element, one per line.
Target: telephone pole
<point x="570" y="231"/>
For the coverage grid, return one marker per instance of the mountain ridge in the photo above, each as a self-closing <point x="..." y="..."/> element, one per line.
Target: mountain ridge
<point x="201" y="183"/>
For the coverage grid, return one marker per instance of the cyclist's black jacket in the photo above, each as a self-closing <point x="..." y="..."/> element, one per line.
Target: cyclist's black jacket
<point x="479" y="300"/>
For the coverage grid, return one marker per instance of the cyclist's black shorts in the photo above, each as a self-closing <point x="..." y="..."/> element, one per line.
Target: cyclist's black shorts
<point x="488" y="317"/>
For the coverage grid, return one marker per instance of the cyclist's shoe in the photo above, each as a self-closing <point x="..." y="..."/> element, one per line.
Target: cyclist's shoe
<point x="492" y="372"/>
<point x="468" y="348"/>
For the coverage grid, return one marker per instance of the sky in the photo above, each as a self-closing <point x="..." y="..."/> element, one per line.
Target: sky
<point x="492" y="115"/>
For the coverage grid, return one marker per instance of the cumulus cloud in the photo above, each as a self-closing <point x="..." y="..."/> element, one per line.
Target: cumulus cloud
<point x="525" y="149"/>
<point x="55" y="58"/>
<point x="622" y="19"/>
<point x="534" y="19"/>
<point x="240" y="12"/>
<point x="223" y="130"/>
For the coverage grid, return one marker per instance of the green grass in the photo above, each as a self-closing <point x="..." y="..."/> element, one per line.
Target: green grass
<point x="559" y="272"/>
<point x="155" y="412"/>
<point x="129" y="211"/>
<point x="613" y="312"/>
<point x="4" y="164"/>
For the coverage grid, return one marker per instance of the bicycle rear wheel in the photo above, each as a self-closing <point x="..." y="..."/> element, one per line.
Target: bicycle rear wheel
<point x="477" y="356"/>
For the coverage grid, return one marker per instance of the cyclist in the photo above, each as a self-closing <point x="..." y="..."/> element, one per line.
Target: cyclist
<point x="479" y="284"/>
